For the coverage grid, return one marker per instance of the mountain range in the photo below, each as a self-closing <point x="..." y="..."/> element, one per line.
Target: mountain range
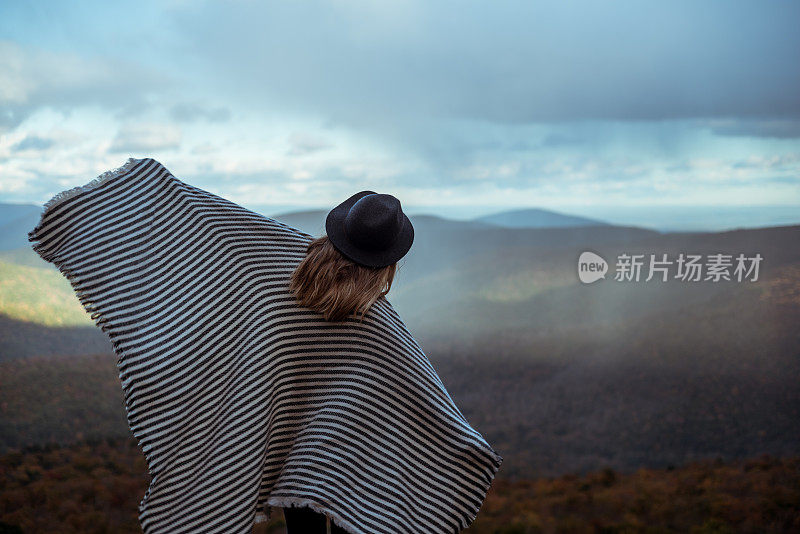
<point x="558" y="375"/>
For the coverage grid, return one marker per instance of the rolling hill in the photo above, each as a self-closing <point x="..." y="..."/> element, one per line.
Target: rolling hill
<point x="559" y="376"/>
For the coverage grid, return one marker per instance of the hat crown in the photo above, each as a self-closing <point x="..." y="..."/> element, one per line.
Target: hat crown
<point x="370" y="229"/>
<point x="374" y="221"/>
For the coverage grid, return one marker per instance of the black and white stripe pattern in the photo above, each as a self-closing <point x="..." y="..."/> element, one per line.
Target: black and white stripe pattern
<point x="241" y="399"/>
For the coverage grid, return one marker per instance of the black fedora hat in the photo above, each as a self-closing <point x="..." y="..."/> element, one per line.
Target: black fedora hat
<point x="370" y="229"/>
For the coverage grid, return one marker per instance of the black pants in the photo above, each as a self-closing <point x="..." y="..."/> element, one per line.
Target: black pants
<point x="304" y="520"/>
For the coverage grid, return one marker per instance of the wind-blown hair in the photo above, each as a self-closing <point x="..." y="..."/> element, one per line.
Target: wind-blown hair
<point x="330" y="283"/>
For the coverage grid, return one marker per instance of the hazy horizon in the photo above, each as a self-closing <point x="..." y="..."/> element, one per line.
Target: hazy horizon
<point x="662" y="218"/>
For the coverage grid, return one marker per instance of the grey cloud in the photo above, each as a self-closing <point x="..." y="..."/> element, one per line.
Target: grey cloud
<point x="133" y="109"/>
<point x="777" y="162"/>
<point x="776" y="128"/>
<point x="678" y="167"/>
<point x="35" y="78"/>
<point x="32" y="142"/>
<point x="784" y="180"/>
<point x="12" y="115"/>
<point x="146" y="138"/>
<point x="191" y="112"/>
<point x="507" y="62"/>
<point x="301" y="144"/>
<point x="511" y="141"/>
<point x="205" y="148"/>
<point x="556" y="139"/>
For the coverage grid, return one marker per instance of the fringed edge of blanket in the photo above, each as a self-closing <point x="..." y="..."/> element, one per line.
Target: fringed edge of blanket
<point x="102" y="178"/>
<point x="78" y="286"/>
<point x="69" y="193"/>
<point x="36" y="245"/>
<point x="469" y="518"/>
<point x="497" y="461"/>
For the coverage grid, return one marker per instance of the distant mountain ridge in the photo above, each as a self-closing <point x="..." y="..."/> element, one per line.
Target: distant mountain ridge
<point x="313" y="221"/>
<point x="15" y="222"/>
<point x="538" y="218"/>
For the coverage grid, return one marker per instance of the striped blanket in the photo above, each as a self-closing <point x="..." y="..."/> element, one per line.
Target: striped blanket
<point x="242" y="400"/>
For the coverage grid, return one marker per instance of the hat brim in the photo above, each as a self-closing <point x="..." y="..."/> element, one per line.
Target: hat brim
<point x="334" y="226"/>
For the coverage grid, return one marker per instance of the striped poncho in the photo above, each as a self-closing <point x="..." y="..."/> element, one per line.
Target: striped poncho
<point x="241" y="399"/>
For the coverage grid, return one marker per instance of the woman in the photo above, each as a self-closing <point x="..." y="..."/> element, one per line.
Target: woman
<point x="262" y="367"/>
<point x="345" y="272"/>
<point x="352" y="266"/>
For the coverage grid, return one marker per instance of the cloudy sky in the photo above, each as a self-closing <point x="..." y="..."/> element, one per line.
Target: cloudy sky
<point x="455" y="107"/>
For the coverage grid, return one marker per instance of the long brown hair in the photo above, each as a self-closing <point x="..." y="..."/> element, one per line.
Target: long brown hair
<point x="330" y="283"/>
